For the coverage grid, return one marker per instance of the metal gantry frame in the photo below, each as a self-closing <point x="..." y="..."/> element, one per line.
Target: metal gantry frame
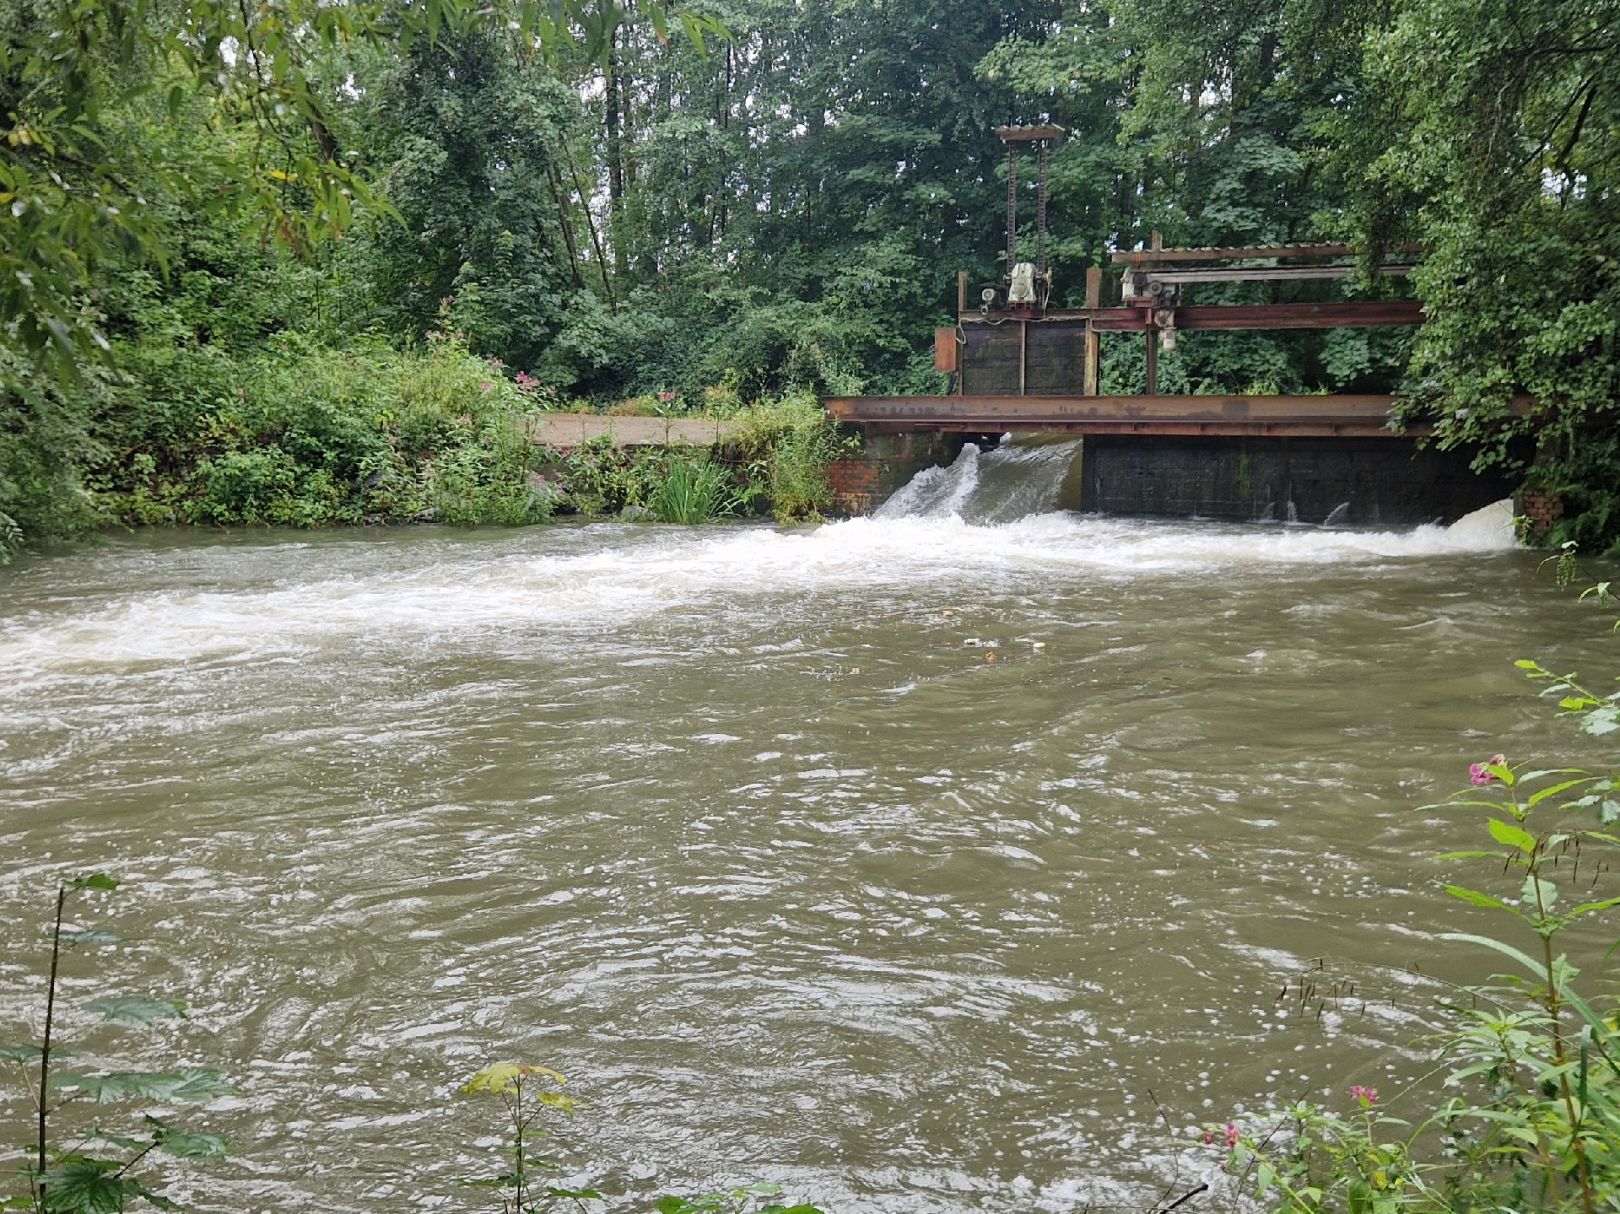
<point x="1044" y="138"/>
<point x="1152" y="301"/>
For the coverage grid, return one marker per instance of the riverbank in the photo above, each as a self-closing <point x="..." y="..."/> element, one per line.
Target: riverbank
<point x="305" y="436"/>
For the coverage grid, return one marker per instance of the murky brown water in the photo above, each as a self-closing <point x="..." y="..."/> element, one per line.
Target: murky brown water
<point x="744" y="832"/>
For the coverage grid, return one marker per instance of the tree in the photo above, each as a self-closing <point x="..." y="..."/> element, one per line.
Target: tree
<point x="1490" y="132"/>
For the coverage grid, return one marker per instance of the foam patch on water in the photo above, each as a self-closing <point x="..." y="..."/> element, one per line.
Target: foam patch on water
<point x="637" y="573"/>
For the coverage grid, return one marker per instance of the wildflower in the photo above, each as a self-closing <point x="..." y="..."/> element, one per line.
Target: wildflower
<point x="1231" y="1135"/>
<point x="486" y="386"/>
<point x="1480" y="773"/>
<point x="1367" y="1096"/>
<point x="526" y="382"/>
<point x="666" y="396"/>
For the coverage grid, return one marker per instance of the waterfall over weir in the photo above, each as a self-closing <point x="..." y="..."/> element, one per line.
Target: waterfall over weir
<point x="1002" y="485"/>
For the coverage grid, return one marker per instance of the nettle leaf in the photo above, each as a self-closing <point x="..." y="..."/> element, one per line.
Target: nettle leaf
<point x="137" y="1009"/>
<point x="1477" y="898"/>
<point x="1601" y="721"/>
<point x="145" y="1085"/>
<point x="191" y="1146"/>
<point x="151" y="1198"/>
<point x="121" y="1140"/>
<point x="90" y="1186"/>
<point x="504" y="1076"/>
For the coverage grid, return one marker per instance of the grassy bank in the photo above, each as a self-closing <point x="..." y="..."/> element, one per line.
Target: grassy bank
<point x="301" y="435"/>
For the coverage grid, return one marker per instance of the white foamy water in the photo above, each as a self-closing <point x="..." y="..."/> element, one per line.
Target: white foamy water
<point x="920" y="538"/>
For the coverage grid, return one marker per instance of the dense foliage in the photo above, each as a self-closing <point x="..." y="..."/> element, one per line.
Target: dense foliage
<point x="203" y="193"/>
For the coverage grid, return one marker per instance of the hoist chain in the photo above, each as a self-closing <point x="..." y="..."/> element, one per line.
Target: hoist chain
<point x="1012" y="207"/>
<point x="1040" y="216"/>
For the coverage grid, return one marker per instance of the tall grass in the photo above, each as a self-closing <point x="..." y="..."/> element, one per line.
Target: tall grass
<point x="692" y="491"/>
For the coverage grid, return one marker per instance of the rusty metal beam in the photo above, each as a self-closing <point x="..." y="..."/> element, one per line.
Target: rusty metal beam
<point x="1031" y="134"/>
<point x="1270" y="273"/>
<point x="1153" y="257"/>
<point x="1343" y="314"/>
<point x="1252" y="429"/>
<point x="1214" y="416"/>
<point x="1339" y="409"/>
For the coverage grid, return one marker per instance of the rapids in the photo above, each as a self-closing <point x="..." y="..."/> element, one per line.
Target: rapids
<point x="908" y="861"/>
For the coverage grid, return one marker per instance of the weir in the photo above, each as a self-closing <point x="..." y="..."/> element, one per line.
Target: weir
<point x="1260" y="480"/>
<point x="1019" y="366"/>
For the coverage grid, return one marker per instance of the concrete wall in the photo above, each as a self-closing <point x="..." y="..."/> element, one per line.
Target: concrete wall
<point x="1379" y="482"/>
<point x="886" y="462"/>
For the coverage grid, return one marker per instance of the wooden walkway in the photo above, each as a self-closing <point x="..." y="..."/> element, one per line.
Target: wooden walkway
<point x="566" y="431"/>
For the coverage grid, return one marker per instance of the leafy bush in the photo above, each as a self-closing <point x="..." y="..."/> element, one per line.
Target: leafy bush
<point x="788" y="443"/>
<point x="302" y="435"/>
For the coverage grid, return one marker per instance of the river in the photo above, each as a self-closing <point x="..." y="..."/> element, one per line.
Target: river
<point x="908" y="861"/>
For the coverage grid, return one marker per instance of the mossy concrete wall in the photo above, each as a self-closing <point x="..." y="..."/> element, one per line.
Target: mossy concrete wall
<point x="1357" y="482"/>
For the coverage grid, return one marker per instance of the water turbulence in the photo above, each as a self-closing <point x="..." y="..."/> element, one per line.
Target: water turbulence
<point x="998" y="486"/>
<point x="895" y="860"/>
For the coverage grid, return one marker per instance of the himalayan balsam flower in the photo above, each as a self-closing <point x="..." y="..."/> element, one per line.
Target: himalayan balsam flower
<point x="1231" y="1134"/>
<point x="666" y="396"/>
<point x="1480" y="773"/>
<point x="1367" y="1096"/>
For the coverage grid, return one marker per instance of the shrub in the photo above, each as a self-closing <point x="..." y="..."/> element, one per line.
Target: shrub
<point x="692" y="491"/>
<point x="787" y="443"/>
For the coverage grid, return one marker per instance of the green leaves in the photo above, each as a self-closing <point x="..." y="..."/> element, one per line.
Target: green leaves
<point x="1515" y="837"/>
<point x="98" y="881"/>
<point x="732" y="1201"/>
<point x="1476" y="898"/>
<point x="137" y="1009"/>
<point x="505" y="1077"/>
<point x="92" y="937"/>
<point x="144" y="1085"/>
<point x="88" y="1187"/>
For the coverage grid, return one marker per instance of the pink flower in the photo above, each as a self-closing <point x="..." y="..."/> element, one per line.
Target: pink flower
<point x="1480" y="773"/>
<point x="526" y="382"/>
<point x="1231" y="1135"/>
<point x="666" y="396"/>
<point x="1367" y="1096"/>
<point x="486" y="386"/>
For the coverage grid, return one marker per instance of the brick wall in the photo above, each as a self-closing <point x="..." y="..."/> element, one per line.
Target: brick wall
<point x="863" y="481"/>
<point x="1542" y="508"/>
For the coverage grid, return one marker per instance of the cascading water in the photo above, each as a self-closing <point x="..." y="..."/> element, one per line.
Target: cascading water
<point x="1010" y="482"/>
